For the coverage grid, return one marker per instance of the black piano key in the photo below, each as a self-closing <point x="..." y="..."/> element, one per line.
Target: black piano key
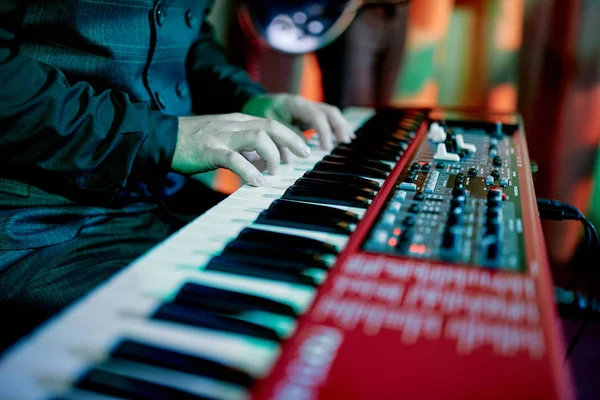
<point x="389" y="144"/>
<point x="342" y="168"/>
<point x="268" y="238"/>
<point x="313" y="211"/>
<point x="318" y="195"/>
<point x="194" y="316"/>
<point x="244" y="267"/>
<point x="302" y="222"/>
<point x="175" y="360"/>
<point x="276" y="256"/>
<point x="322" y="184"/>
<point x="113" y="384"/>
<point x="372" y="154"/>
<point x="343" y="178"/>
<point x="368" y="147"/>
<point x="227" y="301"/>
<point x="359" y="160"/>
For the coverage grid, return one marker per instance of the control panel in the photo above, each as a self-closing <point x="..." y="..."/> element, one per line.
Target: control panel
<point x="457" y="199"/>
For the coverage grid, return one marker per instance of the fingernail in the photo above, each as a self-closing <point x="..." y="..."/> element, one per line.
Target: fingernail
<point x="259" y="180"/>
<point x="306" y="150"/>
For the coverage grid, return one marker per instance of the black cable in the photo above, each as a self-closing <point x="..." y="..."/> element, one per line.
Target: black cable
<point x="586" y="316"/>
<point x="556" y="210"/>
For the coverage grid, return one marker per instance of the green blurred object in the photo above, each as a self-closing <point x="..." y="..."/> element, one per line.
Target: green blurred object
<point x="419" y="68"/>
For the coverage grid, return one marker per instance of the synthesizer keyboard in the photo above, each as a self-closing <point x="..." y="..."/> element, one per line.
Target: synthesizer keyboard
<point x="409" y="263"/>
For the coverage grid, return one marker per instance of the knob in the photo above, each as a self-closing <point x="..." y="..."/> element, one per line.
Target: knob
<point x="494" y="226"/>
<point x="493" y="203"/>
<point x="457" y="202"/>
<point x="451" y="237"/>
<point x="459" y="191"/>
<point x="494" y="194"/>
<point x="493" y="250"/>
<point x="493" y="212"/>
<point x="455" y="216"/>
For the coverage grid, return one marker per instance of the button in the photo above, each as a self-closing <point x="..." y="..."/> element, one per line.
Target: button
<point x="414" y="209"/>
<point x="415" y="166"/>
<point x="395" y="206"/>
<point x="190" y="18"/>
<point x="440" y="165"/>
<point x="498" y="161"/>
<point x="408" y="186"/>
<point x="181" y="89"/>
<point x="496" y="174"/>
<point x="159" y="100"/>
<point x="409" y="221"/>
<point x="380" y="236"/>
<point x="489" y="180"/>
<point x="388" y="218"/>
<point x="160" y="15"/>
<point x="419" y="196"/>
<point x="425" y="167"/>
<point x="400" y="195"/>
<point x="472" y="172"/>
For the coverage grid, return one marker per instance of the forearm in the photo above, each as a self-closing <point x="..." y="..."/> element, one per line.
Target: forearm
<point x="72" y="135"/>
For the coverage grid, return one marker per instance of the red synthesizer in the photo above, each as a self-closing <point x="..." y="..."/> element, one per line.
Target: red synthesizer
<point x="409" y="263"/>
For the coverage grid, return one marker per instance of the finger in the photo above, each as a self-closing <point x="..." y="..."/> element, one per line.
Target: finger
<point x="257" y="140"/>
<point x="341" y="128"/>
<point x="225" y="158"/>
<point x="310" y="115"/>
<point x="287" y="157"/>
<point x="233" y="117"/>
<point x="280" y="134"/>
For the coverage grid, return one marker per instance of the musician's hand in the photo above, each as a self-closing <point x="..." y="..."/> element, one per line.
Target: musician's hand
<point x="299" y="113"/>
<point x="208" y="142"/>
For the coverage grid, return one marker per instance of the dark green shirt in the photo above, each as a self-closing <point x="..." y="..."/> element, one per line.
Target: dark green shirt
<point x="90" y="90"/>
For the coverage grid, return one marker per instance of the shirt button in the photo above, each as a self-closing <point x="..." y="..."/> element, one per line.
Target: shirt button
<point x="190" y="18"/>
<point x="181" y="89"/>
<point x="159" y="100"/>
<point x="160" y="15"/>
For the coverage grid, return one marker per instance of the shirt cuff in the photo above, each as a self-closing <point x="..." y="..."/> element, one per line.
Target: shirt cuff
<point x="155" y="156"/>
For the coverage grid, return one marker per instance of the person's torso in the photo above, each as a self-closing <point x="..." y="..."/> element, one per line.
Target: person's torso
<point x="137" y="46"/>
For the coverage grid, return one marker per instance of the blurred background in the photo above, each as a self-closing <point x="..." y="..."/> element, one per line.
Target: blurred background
<point x="538" y="57"/>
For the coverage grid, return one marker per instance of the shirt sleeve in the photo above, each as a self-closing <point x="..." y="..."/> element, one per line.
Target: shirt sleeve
<point x="70" y="135"/>
<point x="217" y="85"/>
